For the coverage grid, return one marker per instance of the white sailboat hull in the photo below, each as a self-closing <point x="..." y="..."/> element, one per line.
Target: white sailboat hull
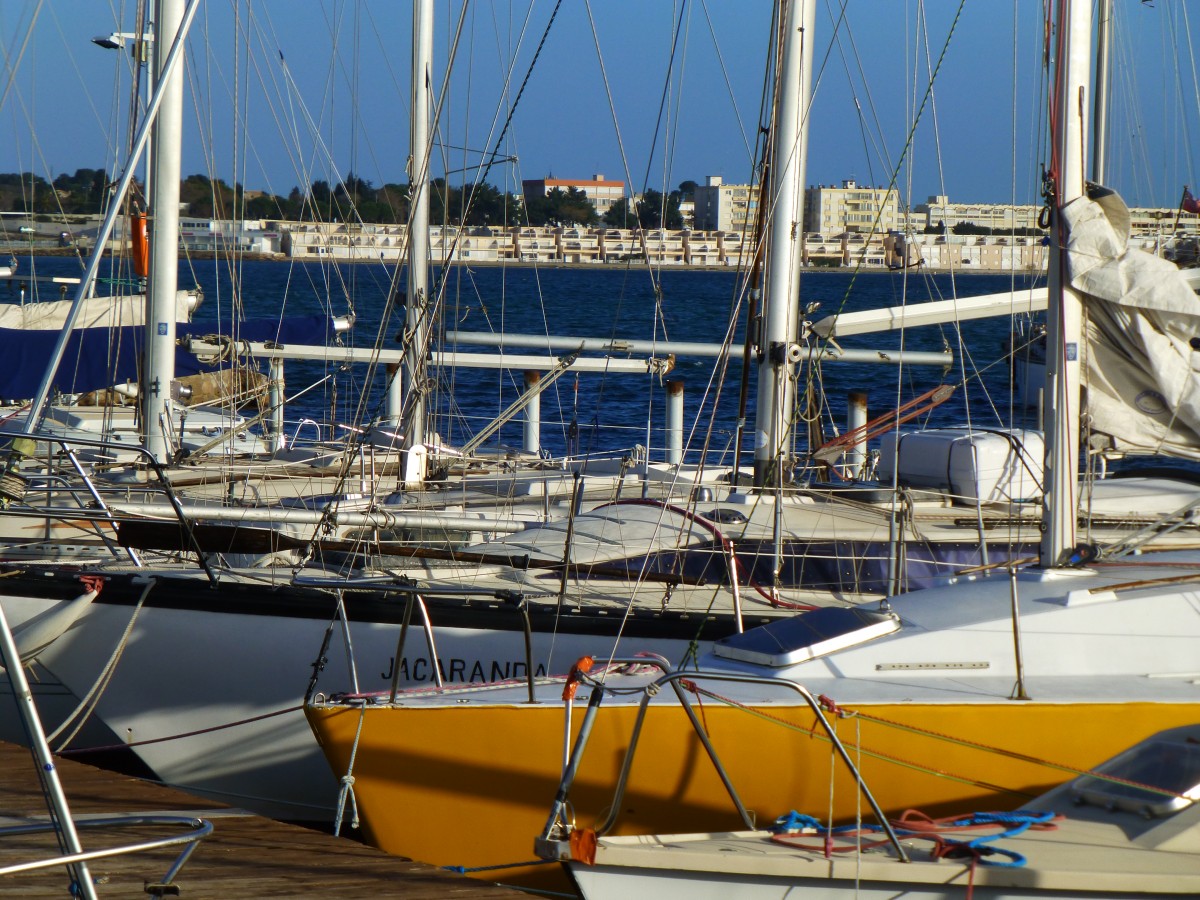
<point x="211" y="700"/>
<point x="603" y="883"/>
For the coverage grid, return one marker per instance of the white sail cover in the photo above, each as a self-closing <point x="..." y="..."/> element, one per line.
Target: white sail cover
<point x="1141" y="316"/>
<point x="96" y="312"/>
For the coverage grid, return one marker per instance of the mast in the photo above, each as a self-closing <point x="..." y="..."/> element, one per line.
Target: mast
<point x="41" y="397"/>
<point x="1065" y="308"/>
<point x="778" y="350"/>
<point x="1103" y="91"/>
<point x="417" y="299"/>
<point x="158" y="368"/>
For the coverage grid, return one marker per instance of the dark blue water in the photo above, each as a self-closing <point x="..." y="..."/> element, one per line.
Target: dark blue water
<point x="605" y="412"/>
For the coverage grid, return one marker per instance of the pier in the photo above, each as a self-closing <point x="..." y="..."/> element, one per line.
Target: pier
<point x="245" y="856"/>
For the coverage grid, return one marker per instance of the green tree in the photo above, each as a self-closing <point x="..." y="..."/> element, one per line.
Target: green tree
<point x="355" y="190"/>
<point x="293" y="206"/>
<point x="392" y="203"/>
<point x="970" y="228"/>
<point x="654" y="210"/>
<point x="619" y="215"/>
<point x="266" y="206"/>
<point x="488" y="205"/>
<point x="569" y="207"/>
<point x="319" y="202"/>
<point x="83" y="192"/>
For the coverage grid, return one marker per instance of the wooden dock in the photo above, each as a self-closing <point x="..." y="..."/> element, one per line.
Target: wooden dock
<point x="245" y="856"/>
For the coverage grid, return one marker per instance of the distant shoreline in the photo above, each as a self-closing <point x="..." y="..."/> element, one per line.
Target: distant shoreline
<point x="588" y="267"/>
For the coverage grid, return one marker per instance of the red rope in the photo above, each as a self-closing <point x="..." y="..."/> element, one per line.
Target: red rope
<point x="726" y="546"/>
<point x="92" y="582"/>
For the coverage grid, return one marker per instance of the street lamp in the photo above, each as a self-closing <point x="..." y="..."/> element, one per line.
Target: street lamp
<point x="139" y="49"/>
<point x="118" y="39"/>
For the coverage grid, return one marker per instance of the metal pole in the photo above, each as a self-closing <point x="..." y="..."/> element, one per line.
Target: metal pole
<point x="856" y="417"/>
<point x="1103" y="91"/>
<point x="781" y="312"/>
<point x="675" y="421"/>
<point x="395" y="394"/>
<point x="1019" y="687"/>
<point x="1065" y="308"/>
<point x="158" y="367"/>
<point x="417" y="298"/>
<point x="533" y="412"/>
<point x="38" y="404"/>
<point x="275" y="395"/>
<point x="42" y="756"/>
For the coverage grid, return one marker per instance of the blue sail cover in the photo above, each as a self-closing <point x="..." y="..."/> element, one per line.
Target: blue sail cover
<point x="97" y="358"/>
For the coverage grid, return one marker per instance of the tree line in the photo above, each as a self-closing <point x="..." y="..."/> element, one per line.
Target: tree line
<point x="349" y="200"/>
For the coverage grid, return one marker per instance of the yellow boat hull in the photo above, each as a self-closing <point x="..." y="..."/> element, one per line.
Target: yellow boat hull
<point x="471" y="786"/>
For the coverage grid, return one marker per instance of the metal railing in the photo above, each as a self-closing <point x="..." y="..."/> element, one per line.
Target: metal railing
<point x="548" y="843"/>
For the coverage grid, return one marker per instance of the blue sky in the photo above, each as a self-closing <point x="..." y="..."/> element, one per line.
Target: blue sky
<point x="980" y="139"/>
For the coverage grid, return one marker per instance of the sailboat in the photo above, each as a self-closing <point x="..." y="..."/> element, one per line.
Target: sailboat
<point x="482" y="598"/>
<point x="990" y="689"/>
<point x="1126" y="829"/>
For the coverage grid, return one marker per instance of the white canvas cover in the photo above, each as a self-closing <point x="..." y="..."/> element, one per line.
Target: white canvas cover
<point x="97" y="312"/>
<point x="1140" y="318"/>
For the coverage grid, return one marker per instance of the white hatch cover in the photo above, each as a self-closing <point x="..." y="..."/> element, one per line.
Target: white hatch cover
<point x="822" y="631"/>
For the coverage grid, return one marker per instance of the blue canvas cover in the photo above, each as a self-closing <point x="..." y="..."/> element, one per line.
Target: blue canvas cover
<point x="97" y="358"/>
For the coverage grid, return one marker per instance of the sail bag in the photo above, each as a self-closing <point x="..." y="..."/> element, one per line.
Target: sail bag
<point x="1141" y="322"/>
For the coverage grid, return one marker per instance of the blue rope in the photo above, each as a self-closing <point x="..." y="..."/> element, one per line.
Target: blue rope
<point x="466" y="870"/>
<point x="1021" y="821"/>
<point x="794" y="821"/>
<point x="1018" y="822"/>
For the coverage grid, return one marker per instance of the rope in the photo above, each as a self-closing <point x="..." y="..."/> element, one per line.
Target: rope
<point x="875" y="754"/>
<point x="832" y="707"/>
<point x="346" y="790"/>
<point x="187" y="734"/>
<point x="466" y="870"/>
<point x="915" y="824"/>
<point x="87" y="705"/>
<point x="1011" y="754"/>
<point x="726" y="545"/>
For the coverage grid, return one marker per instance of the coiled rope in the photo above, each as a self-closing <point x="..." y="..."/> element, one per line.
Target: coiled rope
<point x="788" y="829"/>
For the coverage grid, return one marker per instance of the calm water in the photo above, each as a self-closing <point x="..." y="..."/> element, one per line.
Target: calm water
<point x="609" y="411"/>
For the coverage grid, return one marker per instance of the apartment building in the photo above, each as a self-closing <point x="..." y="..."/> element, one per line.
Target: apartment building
<point x="724" y="207"/>
<point x="938" y="211"/>
<point x="854" y="208"/>
<point x="603" y="193"/>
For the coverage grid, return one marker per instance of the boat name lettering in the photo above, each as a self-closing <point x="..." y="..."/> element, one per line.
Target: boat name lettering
<point x="460" y="670"/>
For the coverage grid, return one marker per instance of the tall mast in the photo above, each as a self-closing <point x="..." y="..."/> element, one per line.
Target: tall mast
<point x="1065" y="308"/>
<point x="1103" y="91"/>
<point x="781" y="303"/>
<point x="416" y="317"/>
<point x="158" y="369"/>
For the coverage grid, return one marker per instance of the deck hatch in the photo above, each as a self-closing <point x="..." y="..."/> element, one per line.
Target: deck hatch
<point x="812" y="634"/>
<point x="1169" y="765"/>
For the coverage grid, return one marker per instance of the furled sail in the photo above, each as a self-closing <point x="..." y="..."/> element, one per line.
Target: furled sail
<point x="1141" y="335"/>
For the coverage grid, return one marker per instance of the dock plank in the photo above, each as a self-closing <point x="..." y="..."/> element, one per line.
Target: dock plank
<point x="245" y="856"/>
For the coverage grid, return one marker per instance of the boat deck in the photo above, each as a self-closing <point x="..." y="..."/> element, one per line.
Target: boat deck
<point x="245" y="856"/>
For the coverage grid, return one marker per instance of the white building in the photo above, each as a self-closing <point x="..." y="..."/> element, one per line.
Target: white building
<point x="229" y="235"/>
<point x="939" y="212"/>
<point x="724" y="207"/>
<point x="853" y="208"/>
